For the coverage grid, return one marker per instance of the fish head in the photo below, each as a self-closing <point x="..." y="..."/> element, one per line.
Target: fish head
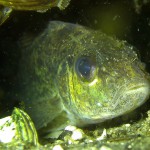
<point x="102" y="79"/>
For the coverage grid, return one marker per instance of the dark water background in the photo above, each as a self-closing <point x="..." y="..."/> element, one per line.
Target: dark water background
<point x="114" y="17"/>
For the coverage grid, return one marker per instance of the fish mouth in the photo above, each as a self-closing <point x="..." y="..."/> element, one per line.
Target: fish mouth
<point x="127" y="100"/>
<point x="140" y="92"/>
<point x="139" y="88"/>
<point x="133" y="95"/>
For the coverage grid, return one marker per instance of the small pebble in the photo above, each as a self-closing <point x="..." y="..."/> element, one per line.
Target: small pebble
<point x="77" y="134"/>
<point x="103" y="136"/>
<point x="105" y="148"/>
<point x="57" y="147"/>
<point x="70" y="128"/>
<point x="127" y="125"/>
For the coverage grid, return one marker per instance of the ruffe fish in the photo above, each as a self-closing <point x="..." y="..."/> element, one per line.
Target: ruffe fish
<point x="73" y="72"/>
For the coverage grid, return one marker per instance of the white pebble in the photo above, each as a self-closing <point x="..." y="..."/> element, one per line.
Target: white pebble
<point x="70" y="128"/>
<point x="105" y="148"/>
<point x="57" y="147"/>
<point x="103" y="136"/>
<point x="8" y="130"/>
<point x="77" y="134"/>
<point x="127" y="125"/>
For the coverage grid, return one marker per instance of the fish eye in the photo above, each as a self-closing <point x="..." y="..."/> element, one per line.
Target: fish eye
<point x="85" y="68"/>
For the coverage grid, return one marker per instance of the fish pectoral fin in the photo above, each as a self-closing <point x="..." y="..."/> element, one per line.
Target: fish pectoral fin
<point x="55" y="127"/>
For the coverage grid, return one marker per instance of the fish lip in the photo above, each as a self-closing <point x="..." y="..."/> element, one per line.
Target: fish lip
<point x="140" y="92"/>
<point x="139" y="87"/>
<point x="136" y="85"/>
<point x="133" y="95"/>
<point x="143" y="84"/>
<point x="142" y="88"/>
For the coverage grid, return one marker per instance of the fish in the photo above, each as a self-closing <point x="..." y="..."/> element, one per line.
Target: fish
<point x="71" y="74"/>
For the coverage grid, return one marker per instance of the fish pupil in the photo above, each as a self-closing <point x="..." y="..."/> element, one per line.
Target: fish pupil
<point x="84" y="67"/>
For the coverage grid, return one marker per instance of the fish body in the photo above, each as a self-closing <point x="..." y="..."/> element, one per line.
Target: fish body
<point x="73" y="72"/>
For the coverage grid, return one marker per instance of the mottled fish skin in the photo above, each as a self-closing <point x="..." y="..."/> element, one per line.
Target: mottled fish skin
<point x="85" y="73"/>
